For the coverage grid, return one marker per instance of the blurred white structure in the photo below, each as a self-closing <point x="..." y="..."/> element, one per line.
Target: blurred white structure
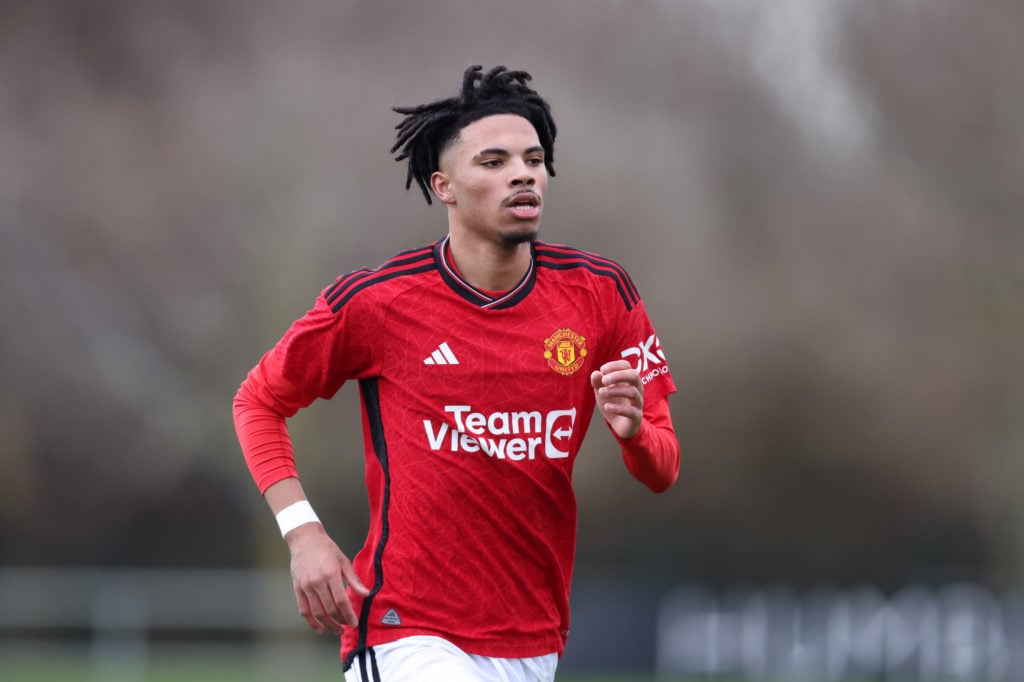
<point x="958" y="632"/>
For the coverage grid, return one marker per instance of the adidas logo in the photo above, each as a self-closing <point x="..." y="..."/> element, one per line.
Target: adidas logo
<point x="391" y="618"/>
<point x="442" y="356"/>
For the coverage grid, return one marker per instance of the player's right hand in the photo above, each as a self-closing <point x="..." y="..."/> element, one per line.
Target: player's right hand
<point x="320" y="572"/>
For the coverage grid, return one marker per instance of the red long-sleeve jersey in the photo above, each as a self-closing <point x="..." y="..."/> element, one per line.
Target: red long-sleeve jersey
<point x="474" y="409"/>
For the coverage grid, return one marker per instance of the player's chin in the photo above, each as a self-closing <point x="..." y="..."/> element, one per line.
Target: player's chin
<point x="520" y="234"/>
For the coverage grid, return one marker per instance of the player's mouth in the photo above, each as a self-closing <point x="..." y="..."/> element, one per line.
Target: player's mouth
<point x="524" y="204"/>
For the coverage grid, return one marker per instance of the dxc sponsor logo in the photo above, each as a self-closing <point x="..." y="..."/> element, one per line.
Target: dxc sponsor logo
<point x="515" y="436"/>
<point x="649" y="358"/>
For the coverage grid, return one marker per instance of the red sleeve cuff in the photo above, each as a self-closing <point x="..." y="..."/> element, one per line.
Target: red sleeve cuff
<point x="652" y="454"/>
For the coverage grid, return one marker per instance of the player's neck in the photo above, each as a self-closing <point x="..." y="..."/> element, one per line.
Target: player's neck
<point x="490" y="266"/>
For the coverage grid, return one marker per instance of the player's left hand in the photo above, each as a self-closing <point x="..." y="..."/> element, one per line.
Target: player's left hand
<point x="620" y="396"/>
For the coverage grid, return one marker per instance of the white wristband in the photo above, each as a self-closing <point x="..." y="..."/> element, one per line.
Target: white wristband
<point x="294" y="515"/>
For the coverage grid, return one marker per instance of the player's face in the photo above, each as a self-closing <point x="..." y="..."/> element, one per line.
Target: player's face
<point x="493" y="179"/>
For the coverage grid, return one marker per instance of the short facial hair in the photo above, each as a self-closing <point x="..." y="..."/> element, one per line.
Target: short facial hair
<point x="517" y="238"/>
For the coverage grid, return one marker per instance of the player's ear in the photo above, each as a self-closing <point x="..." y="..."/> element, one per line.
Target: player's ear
<point x="442" y="186"/>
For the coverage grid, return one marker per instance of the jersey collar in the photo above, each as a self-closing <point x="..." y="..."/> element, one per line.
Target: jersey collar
<point x="477" y="297"/>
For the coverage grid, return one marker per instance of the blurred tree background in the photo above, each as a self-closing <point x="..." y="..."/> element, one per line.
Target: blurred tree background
<point x="821" y="201"/>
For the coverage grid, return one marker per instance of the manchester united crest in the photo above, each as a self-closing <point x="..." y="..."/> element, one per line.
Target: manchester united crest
<point x="565" y="351"/>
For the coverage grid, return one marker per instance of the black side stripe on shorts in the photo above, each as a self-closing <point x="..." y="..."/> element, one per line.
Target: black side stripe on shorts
<point x="364" y="675"/>
<point x="373" y="666"/>
<point x="371" y="401"/>
<point x="362" y="667"/>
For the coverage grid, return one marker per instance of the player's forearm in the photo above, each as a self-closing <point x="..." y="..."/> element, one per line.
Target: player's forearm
<point x="283" y="494"/>
<point x="652" y="454"/>
<point x="282" y="497"/>
<point x="263" y="436"/>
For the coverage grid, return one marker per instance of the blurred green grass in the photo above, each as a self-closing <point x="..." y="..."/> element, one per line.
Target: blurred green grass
<point x="220" y="669"/>
<point x="186" y="672"/>
<point x="27" y="668"/>
<point x="200" y="666"/>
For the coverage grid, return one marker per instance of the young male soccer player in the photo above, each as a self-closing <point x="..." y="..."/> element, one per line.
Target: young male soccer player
<point x="480" y="359"/>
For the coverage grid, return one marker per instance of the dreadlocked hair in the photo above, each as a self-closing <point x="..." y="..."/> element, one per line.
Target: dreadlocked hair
<point x="428" y="129"/>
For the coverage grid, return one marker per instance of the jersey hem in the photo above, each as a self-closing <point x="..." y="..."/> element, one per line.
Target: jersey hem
<point x="550" y="645"/>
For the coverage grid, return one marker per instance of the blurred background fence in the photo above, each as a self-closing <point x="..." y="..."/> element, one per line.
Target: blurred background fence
<point x="117" y="622"/>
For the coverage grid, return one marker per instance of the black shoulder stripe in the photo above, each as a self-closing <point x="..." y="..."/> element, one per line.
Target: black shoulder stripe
<point x="565" y="258"/>
<point x="371" y="278"/>
<point x="398" y="261"/>
<point x="332" y="291"/>
<point x="568" y="253"/>
<point x="406" y="263"/>
<point x="627" y="299"/>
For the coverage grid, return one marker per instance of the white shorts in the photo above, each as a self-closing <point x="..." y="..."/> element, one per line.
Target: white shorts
<point x="432" y="659"/>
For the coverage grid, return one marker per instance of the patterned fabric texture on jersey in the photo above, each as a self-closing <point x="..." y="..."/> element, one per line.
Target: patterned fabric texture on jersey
<point x="474" y="407"/>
